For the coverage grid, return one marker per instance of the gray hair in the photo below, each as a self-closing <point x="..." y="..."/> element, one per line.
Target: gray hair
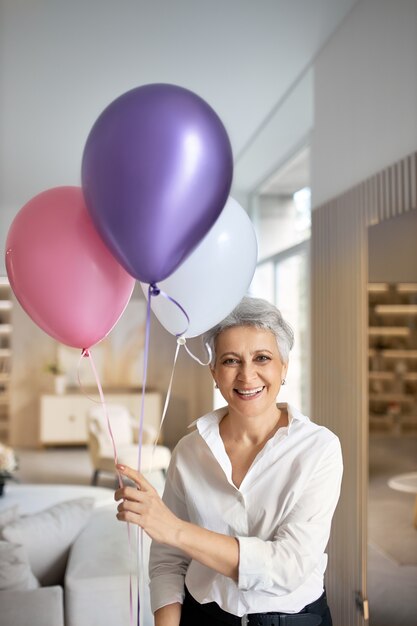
<point x="261" y="314"/>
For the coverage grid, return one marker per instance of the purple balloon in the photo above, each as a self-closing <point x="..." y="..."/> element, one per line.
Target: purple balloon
<point x="156" y="173"/>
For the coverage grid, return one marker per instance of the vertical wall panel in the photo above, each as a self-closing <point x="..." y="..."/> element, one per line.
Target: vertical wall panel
<point x="413" y="159"/>
<point x="339" y="258"/>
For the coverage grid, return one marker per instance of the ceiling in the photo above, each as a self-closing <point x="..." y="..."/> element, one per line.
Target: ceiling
<point x="61" y="63"/>
<point x="291" y="177"/>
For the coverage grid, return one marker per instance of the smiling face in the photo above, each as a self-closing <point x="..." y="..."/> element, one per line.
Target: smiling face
<point x="248" y="370"/>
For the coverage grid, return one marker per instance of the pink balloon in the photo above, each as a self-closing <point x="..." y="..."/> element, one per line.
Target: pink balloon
<point x="61" y="272"/>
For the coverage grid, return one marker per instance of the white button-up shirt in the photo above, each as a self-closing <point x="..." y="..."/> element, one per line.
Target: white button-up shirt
<point x="281" y="516"/>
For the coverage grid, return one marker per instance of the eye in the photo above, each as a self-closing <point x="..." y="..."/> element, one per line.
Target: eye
<point x="262" y="358"/>
<point x="230" y="361"/>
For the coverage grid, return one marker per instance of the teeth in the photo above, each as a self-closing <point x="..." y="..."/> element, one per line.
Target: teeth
<point x="249" y="392"/>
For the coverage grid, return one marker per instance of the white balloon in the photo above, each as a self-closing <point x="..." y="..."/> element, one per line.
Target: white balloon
<point x="214" y="277"/>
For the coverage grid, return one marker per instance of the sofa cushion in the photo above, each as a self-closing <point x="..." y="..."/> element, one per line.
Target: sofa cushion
<point x="98" y="568"/>
<point x="48" y="535"/>
<point x="15" y="572"/>
<point x="41" y="607"/>
<point x="8" y="516"/>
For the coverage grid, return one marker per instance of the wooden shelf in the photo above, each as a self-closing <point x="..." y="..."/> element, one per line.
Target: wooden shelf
<point x="386" y="417"/>
<point x="6" y="307"/>
<point x="392" y="352"/>
<point x="378" y="287"/>
<point x="396" y="309"/>
<point x="408" y="377"/>
<point x="381" y="375"/>
<point x="389" y="331"/>
<point x="409" y="418"/>
<point x="401" y="398"/>
<point x="407" y="288"/>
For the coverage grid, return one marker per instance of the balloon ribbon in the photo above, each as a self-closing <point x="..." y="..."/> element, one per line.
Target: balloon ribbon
<point x="87" y="353"/>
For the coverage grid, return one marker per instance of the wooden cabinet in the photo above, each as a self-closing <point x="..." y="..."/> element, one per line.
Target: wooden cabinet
<point x="63" y="418"/>
<point x="392" y="332"/>
<point x="6" y="306"/>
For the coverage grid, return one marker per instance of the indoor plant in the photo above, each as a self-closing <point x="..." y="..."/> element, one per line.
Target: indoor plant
<point x="8" y="464"/>
<point x="60" y="381"/>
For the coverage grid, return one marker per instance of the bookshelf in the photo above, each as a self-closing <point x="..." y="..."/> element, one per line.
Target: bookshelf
<point x="6" y="306"/>
<point x="392" y="357"/>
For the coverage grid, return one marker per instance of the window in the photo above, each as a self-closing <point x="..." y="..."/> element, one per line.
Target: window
<point x="283" y="279"/>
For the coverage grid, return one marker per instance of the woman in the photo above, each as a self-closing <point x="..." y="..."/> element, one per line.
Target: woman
<point x="240" y="534"/>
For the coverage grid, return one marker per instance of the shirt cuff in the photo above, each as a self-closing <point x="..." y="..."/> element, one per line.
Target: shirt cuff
<point x="166" y="589"/>
<point x="253" y="564"/>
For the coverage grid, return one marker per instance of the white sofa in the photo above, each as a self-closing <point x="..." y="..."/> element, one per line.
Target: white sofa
<point x="97" y="576"/>
<point x="98" y="566"/>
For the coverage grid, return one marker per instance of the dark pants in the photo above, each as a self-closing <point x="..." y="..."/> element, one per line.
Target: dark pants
<point x="195" y="614"/>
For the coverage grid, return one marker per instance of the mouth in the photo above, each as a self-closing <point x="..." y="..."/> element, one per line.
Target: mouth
<point x="249" y="394"/>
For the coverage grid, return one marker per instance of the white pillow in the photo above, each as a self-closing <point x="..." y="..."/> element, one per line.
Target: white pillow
<point x="15" y="572"/>
<point x="47" y="537"/>
<point x="8" y="516"/>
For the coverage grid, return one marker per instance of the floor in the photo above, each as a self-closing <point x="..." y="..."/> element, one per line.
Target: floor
<point x="392" y="538"/>
<point x="392" y="583"/>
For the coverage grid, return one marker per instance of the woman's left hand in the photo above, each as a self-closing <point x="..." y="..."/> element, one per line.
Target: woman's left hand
<point x="142" y="505"/>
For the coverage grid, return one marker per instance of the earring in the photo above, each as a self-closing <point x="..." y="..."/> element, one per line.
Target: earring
<point x="283" y="381"/>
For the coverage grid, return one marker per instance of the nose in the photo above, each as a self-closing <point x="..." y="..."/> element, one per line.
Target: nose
<point x="247" y="372"/>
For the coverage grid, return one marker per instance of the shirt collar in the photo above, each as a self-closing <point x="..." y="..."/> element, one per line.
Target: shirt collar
<point x="209" y="431"/>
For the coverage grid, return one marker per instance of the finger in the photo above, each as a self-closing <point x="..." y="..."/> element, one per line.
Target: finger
<point x="129" y="505"/>
<point x="127" y="493"/>
<point x="137" y="478"/>
<point x="129" y="516"/>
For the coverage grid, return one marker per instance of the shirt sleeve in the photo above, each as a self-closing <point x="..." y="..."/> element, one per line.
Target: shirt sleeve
<point x="285" y="562"/>
<point x="168" y="565"/>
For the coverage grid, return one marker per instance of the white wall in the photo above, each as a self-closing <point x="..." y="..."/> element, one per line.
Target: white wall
<point x="275" y="229"/>
<point x="192" y="391"/>
<point x="365" y="96"/>
<point x="33" y="349"/>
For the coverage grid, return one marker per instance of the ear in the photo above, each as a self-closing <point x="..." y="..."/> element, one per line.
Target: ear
<point x="212" y="373"/>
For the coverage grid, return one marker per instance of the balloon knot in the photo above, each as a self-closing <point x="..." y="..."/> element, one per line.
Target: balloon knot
<point x="181" y="340"/>
<point x="154" y="289"/>
<point x="85" y="352"/>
